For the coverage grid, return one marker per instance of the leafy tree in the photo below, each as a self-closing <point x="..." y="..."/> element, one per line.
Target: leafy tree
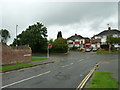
<point x="60" y="46"/>
<point x="4" y="35"/>
<point x="59" y="35"/>
<point x="109" y="39"/>
<point x="34" y="36"/>
<point x="51" y="41"/>
<point x="113" y="40"/>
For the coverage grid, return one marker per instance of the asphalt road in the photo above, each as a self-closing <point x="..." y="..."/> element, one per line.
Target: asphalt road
<point x="67" y="73"/>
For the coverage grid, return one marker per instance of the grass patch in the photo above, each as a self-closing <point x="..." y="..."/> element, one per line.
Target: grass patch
<point x="17" y="66"/>
<point x="39" y="58"/>
<point x="10" y="67"/>
<point x="108" y="52"/>
<point x="103" y="80"/>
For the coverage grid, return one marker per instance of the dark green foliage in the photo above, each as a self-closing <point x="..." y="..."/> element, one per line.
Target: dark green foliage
<point x="59" y="46"/>
<point x="59" y="35"/>
<point x="34" y="36"/>
<point x="51" y="41"/>
<point x="113" y="40"/>
<point x="4" y="35"/>
<point x="105" y="47"/>
<point x="74" y="48"/>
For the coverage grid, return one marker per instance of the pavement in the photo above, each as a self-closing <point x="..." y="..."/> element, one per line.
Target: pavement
<point x="50" y="60"/>
<point x="110" y="65"/>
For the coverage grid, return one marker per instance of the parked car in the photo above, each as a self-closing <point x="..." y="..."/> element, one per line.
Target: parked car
<point x="94" y="49"/>
<point x="87" y="49"/>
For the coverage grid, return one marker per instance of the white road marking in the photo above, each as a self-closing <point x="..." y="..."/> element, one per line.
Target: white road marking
<point x="67" y="65"/>
<point x="80" y="60"/>
<point x="25" y="79"/>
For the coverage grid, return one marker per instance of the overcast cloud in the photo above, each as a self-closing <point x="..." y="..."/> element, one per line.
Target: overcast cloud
<point x="83" y="18"/>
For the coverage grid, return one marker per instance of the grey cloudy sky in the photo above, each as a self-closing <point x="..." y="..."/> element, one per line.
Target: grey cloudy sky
<point x="83" y="18"/>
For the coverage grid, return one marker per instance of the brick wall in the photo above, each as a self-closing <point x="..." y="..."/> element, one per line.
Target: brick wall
<point x="15" y="55"/>
<point x="0" y="53"/>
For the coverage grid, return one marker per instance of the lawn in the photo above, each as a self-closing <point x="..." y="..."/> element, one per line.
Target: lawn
<point x="39" y="58"/>
<point x="103" y="80"/>
<point x="10" y="67"/>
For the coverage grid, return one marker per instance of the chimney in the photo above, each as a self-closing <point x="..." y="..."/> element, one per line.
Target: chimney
<point x="75" y="34"/>
<point x="109" y="28"/>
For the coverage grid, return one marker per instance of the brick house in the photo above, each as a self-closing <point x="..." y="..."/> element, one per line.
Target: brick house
<point x="100" y="39"/>
<point x="78" y="41"/>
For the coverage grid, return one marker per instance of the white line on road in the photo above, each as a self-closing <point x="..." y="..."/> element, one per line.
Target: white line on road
<point x="25" y="79"/>
<point x="80" y="60"/>
<point x="67" y="65"/>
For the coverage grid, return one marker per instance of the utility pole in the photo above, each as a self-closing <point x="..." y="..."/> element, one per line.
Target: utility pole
<point x="16" y="35"/>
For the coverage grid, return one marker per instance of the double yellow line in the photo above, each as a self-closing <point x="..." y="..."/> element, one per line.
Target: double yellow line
<point x="81" y="85"/>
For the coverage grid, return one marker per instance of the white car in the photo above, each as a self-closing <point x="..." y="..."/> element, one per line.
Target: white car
<point x="87" y="49"/>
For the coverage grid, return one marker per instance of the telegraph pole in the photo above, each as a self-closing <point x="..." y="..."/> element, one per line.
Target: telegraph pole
<point x="16" y="35"/>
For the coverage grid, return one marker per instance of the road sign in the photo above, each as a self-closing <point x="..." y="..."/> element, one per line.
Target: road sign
<point x="49" y="46"/>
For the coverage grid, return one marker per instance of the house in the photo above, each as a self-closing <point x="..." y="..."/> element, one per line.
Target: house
<point x="100" y="39"/>
<point x="78" y="41"/>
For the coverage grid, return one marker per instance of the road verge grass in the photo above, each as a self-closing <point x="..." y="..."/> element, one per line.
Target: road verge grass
<point x="39" y="58"/>
<point x="103" y="80"/>
<point x="108" y="52"/>
<point x="17" y="66"/>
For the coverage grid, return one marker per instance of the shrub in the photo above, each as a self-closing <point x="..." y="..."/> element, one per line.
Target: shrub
<point x="60" y="46"/>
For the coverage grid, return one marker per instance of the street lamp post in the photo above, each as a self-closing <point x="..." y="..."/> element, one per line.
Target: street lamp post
<point x="16" y="35"/>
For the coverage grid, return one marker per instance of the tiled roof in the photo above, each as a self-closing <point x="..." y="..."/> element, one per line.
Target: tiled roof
<point x="74" y="37"/>
<point x="106" y="32"/>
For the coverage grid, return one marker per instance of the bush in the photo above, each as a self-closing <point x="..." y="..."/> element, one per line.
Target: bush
<point x="101" y="49"/>
<point x="60" y="46"/>
<point x="113" y="49"/>
<point x="74" y="48"/>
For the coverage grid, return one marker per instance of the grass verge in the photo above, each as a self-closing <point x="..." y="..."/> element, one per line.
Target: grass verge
<point x="18" y="66"/>
<point x="108" y="52"/>
<point x="10" y="67"/>
<point x="103" y="80"/>
<point x="39" y="58"/>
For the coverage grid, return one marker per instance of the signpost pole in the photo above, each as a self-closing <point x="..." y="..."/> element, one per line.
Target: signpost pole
<point x="48" y="52"/>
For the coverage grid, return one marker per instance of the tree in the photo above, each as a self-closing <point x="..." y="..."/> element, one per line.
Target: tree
<point x="112" y="40"/>
<point x="109" y="39"/>
<point x="34" y="36"/>
<point x="60" y="46"/>
<point x="4" y="35"/>
<point x="59" y="35"/>
<point x="51" y="41"/>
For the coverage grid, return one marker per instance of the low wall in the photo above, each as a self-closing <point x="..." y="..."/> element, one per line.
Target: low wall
<point x="15" y="55"/>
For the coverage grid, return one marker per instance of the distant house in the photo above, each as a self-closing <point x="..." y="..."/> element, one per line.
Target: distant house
<point x="100" y="39"/>
<point x="78" y="41"/>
